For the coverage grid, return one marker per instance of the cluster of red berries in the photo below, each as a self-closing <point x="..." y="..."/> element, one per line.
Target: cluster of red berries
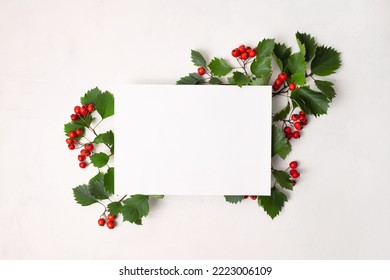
<point x="82" y="111"/>
<point x="280" y="80"/>
<point x="73" y="138"/>
<point x="293" y="171"/>
<point x="244" y="52"/>
<point x="84" y="153"/>
<point x="253" y="197"/>
<point x="110" y="221"/>
<point x="298" y="121"/>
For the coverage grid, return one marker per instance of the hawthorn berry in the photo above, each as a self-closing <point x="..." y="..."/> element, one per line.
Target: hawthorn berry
<point x="69" y="141"/>
<point x="246" y="196"/>
<point x="275" y="87"/>
<point x="236" y="53"/>
<point x="252" y="53"/>
<point x="278" y="82"/>
<point x="90" y="108"/>
<point x="304" y="122"/>
<point x="111" y="217"/>
<point x="289" y="135"/>
<point x="88" y="147"/>
<point x="83" y="111"/>
<point x="253" y="197"/>
<point x="77" y="110"/>
<point x="72" y="134"/>
<point x="298" y="125"/>
<point x="302" y="113"/>
<point x="201" y="71"/>
<point x="287" y="130"/>
<point x="244" y="56"/>
<point x="296" y="134"/>
<point x="302" y="118"/>
<point x="101" y="222"/>
<point x="282" y="76"/>
<point x="293" y="164"/>
<point x="295" y="174"/>
<point x="110" y="224"/>
<point x="242" y="49"/>
<point x="71" y="146"/>
<point x="79" y="131"/>
<point x="82" y="164"/>
<point x="294" y="117"/>
<point x="81" y="158"/>
<point x="74" y="117"/>
<point x="292" y="86"/>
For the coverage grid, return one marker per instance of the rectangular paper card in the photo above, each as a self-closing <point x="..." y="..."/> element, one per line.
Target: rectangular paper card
<point x="193" y="140"/>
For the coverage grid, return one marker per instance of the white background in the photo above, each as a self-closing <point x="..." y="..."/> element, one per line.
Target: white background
<point x="53" y="51"/>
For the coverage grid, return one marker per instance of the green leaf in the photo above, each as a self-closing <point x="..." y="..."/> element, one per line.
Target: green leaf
<point x="104" y="104"/>
<point x="219" y="67"/>
<point x="326" y="61"/>
<point x="280" y="144"/>
<point x="234" y="198"/>
<point x="282" y="54"/>
<point x="83" y="196"/>
<point x="198" y="59"/>
<point x="274" y="203"/>
<point x="283" y="179"/>
<point x="259" y="82"/>
<point x="282" y="114"/>
<point x="240" y="79"/>
<point x="326" y="88"/>
<point x="84" y="121"/>
<point x="109" y="180"/>
<point x="265" y="48"/>
<point x="114" y="208"/>
<point x="97" y="190"/>
<point x="231" y="81"/>
<point x="97" y="177"/>
<point x="156" y="196"/>
<point x="191" y="79"/>
<point x="310" y="101"/>
<point x="310" y="45"/>
<point x="72" y="127"/>
<point x="99" y="160"/>
<point x="91" y="96"/>
<point x="296" y="63"/>
<point x="298" y="78"/>
<point x="262" y="68"/>
<point x="105" y="138"/>
<point x="215" y="81"/>
<point x="135" y="208"/>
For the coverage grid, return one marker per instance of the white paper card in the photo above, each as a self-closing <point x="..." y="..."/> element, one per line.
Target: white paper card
<point x="193" y="140"/>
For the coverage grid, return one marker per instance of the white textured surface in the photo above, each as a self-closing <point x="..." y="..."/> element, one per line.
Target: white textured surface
<point x="52" y="51"/>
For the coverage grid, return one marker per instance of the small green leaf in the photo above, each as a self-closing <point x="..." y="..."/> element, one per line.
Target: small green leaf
<point x="114" y="208"/>
<point x="265" y="48"/>
<point x="198" y="59"/>
<point x="109" y="180"/>
<point x="91" y="96"/>
<point x="283" y="179"/>
<point x="135" y="208"/>
<point x="99" y="160"/>
<point x="310" y="45"/>
<point x="234" y="199"/>
<point x="282" y="54"/>
<point x="97" y="190"/>
<point x="282" y="114"/>
<point x="191" y="79"/>
<point x="219" y="67"/>
<point x="326" y="88"/>
<point x="280" y="144"/>
<point x="326" y="61"/>
<point x="105" y="138"/>
<point x="104" y="104"/>
<point x="274" y="203"/>
<point x="240" y="79"/>
<point x="310" y="101"/>
<point x="215" y="81"/>
<point x="262" y="68"/>
<point x="83" y="196"/>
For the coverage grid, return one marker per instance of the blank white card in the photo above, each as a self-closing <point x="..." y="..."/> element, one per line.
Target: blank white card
<point x="193" y="140"/>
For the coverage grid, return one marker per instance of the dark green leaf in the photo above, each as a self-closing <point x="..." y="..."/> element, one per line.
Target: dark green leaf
<point x="109" y="180"/>
<point x="296" y="63"/>
<point x="274" y="203"/>
<point x="326" y="88"/>
<point x="99" y="160"/>
<point x="97" y="177"/>
<point x="310" y="45"/>
<point x="326" y="61"/>
<point x="240" y="79"/>
<point x="191" y="79"/>
<point x="283" y="179"/>
<point x="282" y="114"/>
<point x="114" y="208"/>
<point x="198" y="59"/>
<point x="106" y="138"/>
<point x="91" y="96"/>
<point x="234" y="198"/>
<point x="83" y="196"/>
<point x="135" y="208"/>
<point x="262" y="68"/>
<point x="280" y="144"/>
<point x="104" y="104"/>
<point x="310" y="101"/>
<point x="298" y="78"/>
<point x="265" y="48"/>
<point x="219" y="67"/>
<point x="281" y="53"/>
<point x="215" y="81"/>
<point x="97" y="190"/>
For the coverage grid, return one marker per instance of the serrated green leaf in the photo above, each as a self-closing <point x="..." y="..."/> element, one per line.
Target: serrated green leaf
<point x="97" y="190"/>
<point x="219" y="67"/>
<point x="215" y="81"/>
<point x="114" y="208"/>
<point x="262" y="68"/>
<point x="310" y="101"/>
<point x="265" y="48"/>
<point x="83" y="196"/>
<point x="326" y="88"/>
<point x="274" y="203"/>
<point x="282" y="114"/>
<point x="105" y="138"/>
<point x="283" y="179"/>
<point x="280" y="144"/>
<point x="240" y="79"/>
<point x="156" y="196"/>
<point x="109" y="180"/>
<point x="84" y="121"/>
<point x="104" y="104"/>
<point x="326" y="61"/>
<point x="310" y="45"/>
<point x="135" y="208"/>
<point x="282" y="54"/>
<point x="91" y="96"/>
<point x="296" y="63"/>
<point x="97" y="177"/>
<point x="234" y="199"/>
<point x="298" y="78"/>
<point x="99" y="159"/>
<point x="191" y="79"/>
<point x="198" y="59"/>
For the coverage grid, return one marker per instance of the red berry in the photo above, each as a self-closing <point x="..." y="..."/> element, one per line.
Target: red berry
<point x="111" y="217"/>
<point x="74" y="117"/>
<point x="304" y="122"/>
<point x="201" y="71"/>
<point x="275" y="87"/>
<point x="71" y="146"/>
<point x="289" y="136"/>
<point x="293" y="164"/>
<point x="88" y="147"/>
<point x="87" y="153"/>
<point x="302" y="118"/>
<point x="82" y="164"/>
<point x="101" y="222"/>
<point x="282" y="76"/>
<point x="72" y="134"/>
<point x="244" y="56"/>
<point x="294" y="173"/>
<point x="294" y="117"/>
<point x="296" y="134"/>
<point x="292" y="86"/>
<point x="242" y="49"/>
<point x="90" y="108"/>
<point x="278" y="82"/>
<point x="77" y="110"/>
<point x="110" y="224"/>
<point x="252" y="53"/>
<point x="82" y="152"/>
<point x="253" y="197"/>
<point x="236" y="53"/>
<point x="84" y="111"/>
<point x="302" y="113"/>
<point x="81" y="158"/>
<point x="298" y="126"/>
<point x="79" y="131"/>
<point x="245" y="196"/>
<point x="287" y="130"/>
<point x="69" y="141"/>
